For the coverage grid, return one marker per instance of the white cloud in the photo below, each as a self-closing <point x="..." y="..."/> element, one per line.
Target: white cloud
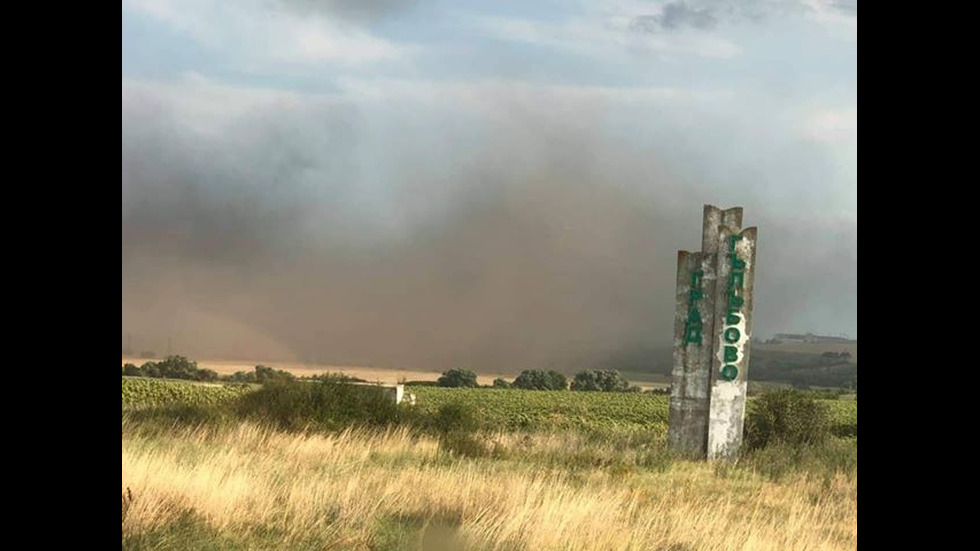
<point x="255" y="30"/>
<point x="835" y="126"/>
<point x="605" y="36"/>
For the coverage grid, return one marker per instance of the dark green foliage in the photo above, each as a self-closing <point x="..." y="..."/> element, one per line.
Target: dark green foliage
<point x="150" y="369"/>
<point x="263" y="374"/>
<point x="457" y="424"/>
<point x="455" y="417"/>
<point x="537" y="379"/>
<point x="336" y="378"/>
<point x="206" y="375"/>
<point x="421" y="383"/>
<point x="130" y="370"/>
<point x="294" y="405"/>
<point x="458" y="378"/>
<point x="608" y="380"/>
<point x="501" y="383"/>
<point x="177" y="367"/>
<point x="172" y="367"/>
<point x="786" y="416"/>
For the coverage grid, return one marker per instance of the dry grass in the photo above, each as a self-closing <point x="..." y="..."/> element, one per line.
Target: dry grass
<point x="262" y="489"/>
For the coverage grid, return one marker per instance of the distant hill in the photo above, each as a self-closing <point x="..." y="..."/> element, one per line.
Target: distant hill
<point x="818" y="364"/>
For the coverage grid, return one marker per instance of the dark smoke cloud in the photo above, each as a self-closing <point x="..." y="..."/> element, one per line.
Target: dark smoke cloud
<point x="421" y="234"/>
<point x="707" y="14"/>
<point x="676" y="16"/>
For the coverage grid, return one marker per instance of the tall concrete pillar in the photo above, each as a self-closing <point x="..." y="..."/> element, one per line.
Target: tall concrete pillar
<point x="730" y="360"/>
<point x="700" y="325"/>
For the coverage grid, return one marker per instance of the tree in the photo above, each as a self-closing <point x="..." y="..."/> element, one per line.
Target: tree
<point x="501" y="383"/>
<point x="131" y="370"/>
<point x="177" y="367"/>
<point x="458" y="378"/>
<point x="536" y="379"/>
<point x="265" y="374"/>
<point x="604" y="381"/>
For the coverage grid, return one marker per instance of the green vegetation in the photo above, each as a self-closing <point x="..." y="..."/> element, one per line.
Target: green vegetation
<point x="458" y="378"/>
<point x="158" y="392"/>
<point x="787" y="417"/>
<point x="261" y="375"/>
<point x="323" y="405"/>
<point x="537" y="379"/>
<point x="608" y="380"/>
<point x="499" y="409"/>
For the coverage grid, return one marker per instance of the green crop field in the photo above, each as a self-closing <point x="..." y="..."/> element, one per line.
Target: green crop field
<point x="139" y="391"/>
<point x="521" y="409"/>
<point x="498" y="409"/>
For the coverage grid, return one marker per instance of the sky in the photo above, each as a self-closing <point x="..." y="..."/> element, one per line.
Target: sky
<point x="497" y="184"/>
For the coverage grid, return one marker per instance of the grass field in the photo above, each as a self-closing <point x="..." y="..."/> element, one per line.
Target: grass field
<point x="553" y="471"/>
<point x="246" y="487"/>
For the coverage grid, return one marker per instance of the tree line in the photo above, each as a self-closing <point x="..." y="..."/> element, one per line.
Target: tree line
<point x="606" y="380"/>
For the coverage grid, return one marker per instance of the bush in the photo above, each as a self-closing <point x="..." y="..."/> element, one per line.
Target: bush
<point x="458" y="378"/>
<point x="176" y="367"/>
<point x="455" y="417"/>
<point x="608" y="380"/>
<point x="131" y="370"/>
<point x="456" y="425"/>
<point x="206" y="375"/>
<point x="421" y="383"/>
<point x="536" y="379"/>
<point x="323" y="405"/>
<point x="501" y="383"/>
<point x="149" y="369"/>
<point x="265" y="374"/>
<point x="787" y="417"/>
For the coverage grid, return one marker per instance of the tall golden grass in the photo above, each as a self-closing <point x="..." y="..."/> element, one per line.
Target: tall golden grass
<point x="271" y="490"/>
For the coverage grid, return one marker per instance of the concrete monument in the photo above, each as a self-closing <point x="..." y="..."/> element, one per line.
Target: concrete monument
<point x="712" y="331"/>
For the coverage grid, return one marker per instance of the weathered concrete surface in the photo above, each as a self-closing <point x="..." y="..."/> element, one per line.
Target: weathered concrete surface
<point x="732" y="338"/>
<point x="687" y="430"/>
<point x="690" y="392"/>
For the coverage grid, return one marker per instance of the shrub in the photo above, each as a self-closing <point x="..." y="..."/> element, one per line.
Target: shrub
<point x="421" y="383"/>
<point x="536" y="379"/>
<point x="788" y="417"/>
<point x="177" y="367"/>
<point x="131" y="370"/>
<point x="501" y="383"/>
<point x="455" y="417"/>
<point x="149" y="369"/>
<point x="324" y="405"/>
<point x="458" y="378"/>
<point x="206" y="375"/>
<point x="456" y="424"/>
<point x="265" y="374"/>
